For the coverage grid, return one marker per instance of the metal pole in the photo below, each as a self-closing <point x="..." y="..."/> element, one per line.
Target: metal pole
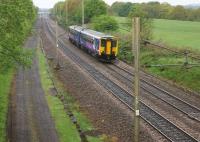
<point x="60" y="8"/>
<point x="186" y="57"/>
<point x="57" y="56"/>
<point x="83" y="14"/>
<point x="66" y="6"/>
<point x="136" y="49"/>
<point x="56" y="29"/>
<point x="56" y="39"/>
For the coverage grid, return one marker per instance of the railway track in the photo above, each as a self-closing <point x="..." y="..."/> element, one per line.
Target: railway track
<point x="165" y="127"/>
<point x="186" y="108"/>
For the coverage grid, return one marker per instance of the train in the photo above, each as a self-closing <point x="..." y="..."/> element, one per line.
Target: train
<point x="100" y="45"/>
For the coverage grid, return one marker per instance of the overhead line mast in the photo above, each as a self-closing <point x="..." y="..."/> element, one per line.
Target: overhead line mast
<point x="136" y="52"/>
<point x="83" y="14"/>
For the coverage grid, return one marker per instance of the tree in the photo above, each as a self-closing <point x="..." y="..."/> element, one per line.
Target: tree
<point x="179" y="13"/>
<point x="121" y="8"/>
<point x="146" y="22"/>
<point x="94" y="8"/>
<point x="153" y="9"/>
<point x="16" y="21"/>
<point x="165" y="10"/>
<point x="104" y="23"/>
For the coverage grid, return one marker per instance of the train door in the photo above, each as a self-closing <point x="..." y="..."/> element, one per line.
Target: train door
<point x="114" y="47"/>
<point x="96" y="44"/>
<point x="108" y="47"/>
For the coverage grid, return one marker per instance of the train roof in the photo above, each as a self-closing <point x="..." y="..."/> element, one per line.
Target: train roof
<point x="78" y="28"/>
<point x="90" y="32"/>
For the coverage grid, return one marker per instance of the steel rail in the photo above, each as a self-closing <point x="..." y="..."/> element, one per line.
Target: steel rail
<point x="163" y="95"/>
<point x="161" y="124"/>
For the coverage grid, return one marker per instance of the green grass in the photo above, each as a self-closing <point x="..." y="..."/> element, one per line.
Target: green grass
<point x="94" y="139"/>
<point x="182" y="76"/>
<point x="173" y="33"/>
<point x="180" y="34"/>
<point x="66" y="129"/>
<point x="5" y="84"/>
<point x="124" y="28"/>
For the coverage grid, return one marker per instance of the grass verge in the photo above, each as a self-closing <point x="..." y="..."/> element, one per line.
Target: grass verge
<point x="179" y="35"/>
<point x="5" y="84"/>
<point x="66" y="129"/>
<point x="187" y="77"/>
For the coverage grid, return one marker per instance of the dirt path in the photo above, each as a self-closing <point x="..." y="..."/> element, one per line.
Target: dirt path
<point x="30" y="119"/>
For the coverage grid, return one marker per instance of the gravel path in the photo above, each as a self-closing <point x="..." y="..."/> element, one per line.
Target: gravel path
<point x="30" y="119"/>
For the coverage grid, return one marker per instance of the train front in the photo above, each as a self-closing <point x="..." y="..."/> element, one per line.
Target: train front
<point x="108" y="48"/>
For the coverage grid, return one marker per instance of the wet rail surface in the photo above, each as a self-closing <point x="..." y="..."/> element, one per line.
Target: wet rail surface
<point x="165" y="127"/>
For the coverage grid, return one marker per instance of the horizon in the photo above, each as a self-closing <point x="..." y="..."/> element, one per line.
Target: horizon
<point x="47" y="4"/>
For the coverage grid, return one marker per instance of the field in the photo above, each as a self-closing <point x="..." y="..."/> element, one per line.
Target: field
<point x="179" y="34"/>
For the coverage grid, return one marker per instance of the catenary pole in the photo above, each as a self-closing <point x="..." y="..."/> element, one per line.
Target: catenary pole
<point x="66" y="8"/>
<point x="136" y="49"/>
<point x="83" y="14"/>
<point x="56" y="29"/>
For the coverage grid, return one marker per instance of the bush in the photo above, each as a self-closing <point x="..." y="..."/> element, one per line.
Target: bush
<point x="104" y="23"/>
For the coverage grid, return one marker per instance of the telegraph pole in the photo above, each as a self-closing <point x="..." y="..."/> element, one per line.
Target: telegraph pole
<point x="57" y="56"/>
<point x="136" y="49"/>
<point x="83" y="14"/>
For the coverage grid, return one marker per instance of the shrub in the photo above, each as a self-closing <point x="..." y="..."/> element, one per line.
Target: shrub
<point x="104" y="23"/>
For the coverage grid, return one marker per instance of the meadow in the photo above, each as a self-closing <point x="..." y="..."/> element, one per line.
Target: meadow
<point x="179" y="34"/>
<point x="172" y="33"/>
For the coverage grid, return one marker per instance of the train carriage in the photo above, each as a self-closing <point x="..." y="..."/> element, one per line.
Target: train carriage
<point x="99" y="44"/>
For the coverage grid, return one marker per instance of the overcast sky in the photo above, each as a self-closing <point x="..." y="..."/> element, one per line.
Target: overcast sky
<point x="50" y="3"/>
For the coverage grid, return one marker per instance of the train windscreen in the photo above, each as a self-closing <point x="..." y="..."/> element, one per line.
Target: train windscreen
<point x="114" y="43"/>
<point x="103" y="42"/>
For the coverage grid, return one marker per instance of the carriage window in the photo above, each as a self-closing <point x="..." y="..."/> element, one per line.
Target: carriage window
<point x="114" y="43"/>
<point x="103" y="43"/>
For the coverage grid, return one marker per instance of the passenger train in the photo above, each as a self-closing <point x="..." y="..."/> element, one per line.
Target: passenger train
<point x="103" y="46"/>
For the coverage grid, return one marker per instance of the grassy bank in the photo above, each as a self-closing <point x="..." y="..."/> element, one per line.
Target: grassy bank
<point x="174" y="34"/>
<point x="5" y="84"/>
<point x="66" y="129"/>
<point x="180" y="34"/>
<point x="188" y="77"/>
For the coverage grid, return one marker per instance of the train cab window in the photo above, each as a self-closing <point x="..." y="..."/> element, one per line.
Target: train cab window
<point x="103" y="43"/>
<point x="114" y="43"/>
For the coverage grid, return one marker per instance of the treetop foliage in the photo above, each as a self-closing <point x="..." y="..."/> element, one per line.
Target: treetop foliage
<point x="158" y="10"/>
<point x="74" y="8"/>
<point x="104" y="23"/>
<point x="16" y="19"/>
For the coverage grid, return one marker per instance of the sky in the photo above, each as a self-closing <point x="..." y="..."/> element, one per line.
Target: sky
<point x="50" y="3"/>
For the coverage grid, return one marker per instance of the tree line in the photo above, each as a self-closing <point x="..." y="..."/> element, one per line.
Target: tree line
<point x="16" y="20"/>
<point x="73" y="10"/>
<point x="157" y="10"/>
